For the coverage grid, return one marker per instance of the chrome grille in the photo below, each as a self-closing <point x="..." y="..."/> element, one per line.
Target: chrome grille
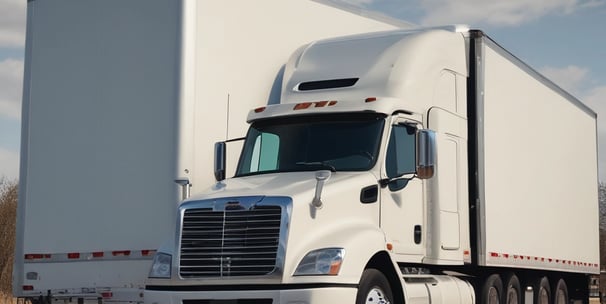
<point x="231" y="242"/>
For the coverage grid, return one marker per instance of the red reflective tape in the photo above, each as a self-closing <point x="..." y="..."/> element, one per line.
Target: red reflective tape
<point x="107" y="295"/>
<point x="87" y="255"/>
<point x="494" y="254"/>
<point x="121" y="253"/>
<point x="506" y="255"/>
<point x="28" y="287"/>
<point x="332" y="103"/>
<point x="147" y="252"/>
<point x="37" y="256"/>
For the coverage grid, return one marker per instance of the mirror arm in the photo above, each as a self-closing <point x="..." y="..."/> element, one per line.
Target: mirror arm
<point x="384" y="182"/>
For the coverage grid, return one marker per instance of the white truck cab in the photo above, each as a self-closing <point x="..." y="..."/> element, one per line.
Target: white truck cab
<point x="355" y="188"/>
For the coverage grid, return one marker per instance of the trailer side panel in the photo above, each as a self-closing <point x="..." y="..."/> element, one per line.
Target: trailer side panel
<point x="529" y="128"/>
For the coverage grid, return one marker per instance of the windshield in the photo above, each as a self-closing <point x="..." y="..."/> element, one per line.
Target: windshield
<point x="336" y="142"/>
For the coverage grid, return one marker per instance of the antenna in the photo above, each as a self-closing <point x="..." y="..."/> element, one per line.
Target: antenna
<point x="227" y="119"/>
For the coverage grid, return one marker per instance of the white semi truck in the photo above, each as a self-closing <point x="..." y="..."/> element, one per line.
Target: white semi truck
<point x="406" y="166"/>
<point x="123" y="102"/>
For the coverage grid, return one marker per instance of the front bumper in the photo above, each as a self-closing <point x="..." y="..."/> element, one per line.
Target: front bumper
<point x="281" y="294"/>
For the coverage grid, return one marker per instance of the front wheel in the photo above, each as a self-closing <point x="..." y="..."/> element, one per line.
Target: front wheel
<point x="374" y="288"/>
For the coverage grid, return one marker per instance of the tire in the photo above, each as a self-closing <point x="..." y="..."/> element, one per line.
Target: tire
<point x="374" y="288"/>
<point x="542" y="292"/>
<point x="513" y="291"/>
<point x="492" y="290"/>
<point x="39" y="300"/>
<point x="560" y="292"/>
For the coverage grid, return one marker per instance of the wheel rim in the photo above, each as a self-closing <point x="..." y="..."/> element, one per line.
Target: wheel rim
<point x="376" y="296"/>
<point x="512" y="296"/>
<point x="560" y="297"/>
<point x="543" y="296"/>
<point x="493" y="296"/>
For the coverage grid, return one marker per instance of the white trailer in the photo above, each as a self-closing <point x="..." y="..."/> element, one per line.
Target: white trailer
<point x="407" y="166"/>
<point x="122" y="103"/>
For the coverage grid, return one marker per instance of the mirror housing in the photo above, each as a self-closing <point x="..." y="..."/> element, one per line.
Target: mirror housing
<point x="426" y="153"/>
<point x="220" y="152"/>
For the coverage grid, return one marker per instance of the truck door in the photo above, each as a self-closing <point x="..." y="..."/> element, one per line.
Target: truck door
<point x="402" y="199"/>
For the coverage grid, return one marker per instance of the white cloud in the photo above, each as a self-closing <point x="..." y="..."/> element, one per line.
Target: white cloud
<point x="574" y="79"/>
<point x="596" y="99"/>
<point x="12" y="23"/>
<point x="362" y="3"/>
<point x="9" y="164"/>
<point x="11" y="79"/>
<point x="504" y="13"/>
<point x="570" y="78"/>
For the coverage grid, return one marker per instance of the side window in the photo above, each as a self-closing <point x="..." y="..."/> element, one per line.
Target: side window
<point x="401" y="151"/>
<point x="265" y="153"/>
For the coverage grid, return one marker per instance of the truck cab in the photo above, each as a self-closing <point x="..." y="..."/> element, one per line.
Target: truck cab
<point x="389" y="173"/>
<point x="335" y="194"/>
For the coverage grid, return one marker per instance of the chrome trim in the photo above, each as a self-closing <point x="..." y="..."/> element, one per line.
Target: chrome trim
<point x="185" y="187"/>
<point x="244" y="202"/>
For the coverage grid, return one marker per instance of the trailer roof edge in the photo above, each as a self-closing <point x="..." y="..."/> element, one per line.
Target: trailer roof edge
<point x="366" y="13"/>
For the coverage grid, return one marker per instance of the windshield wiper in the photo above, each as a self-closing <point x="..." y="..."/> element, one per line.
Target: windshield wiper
<point x="322" y="165"/>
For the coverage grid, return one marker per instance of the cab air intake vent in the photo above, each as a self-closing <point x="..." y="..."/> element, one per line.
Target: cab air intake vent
<point x="327" y="84"/>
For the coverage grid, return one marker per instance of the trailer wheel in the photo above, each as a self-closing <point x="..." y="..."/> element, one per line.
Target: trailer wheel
<point x="542" y="292"/>
<point x="374" y="288"/>
<point x="492" y="291"/>
<point x="38" y="300"/>
<point x="560" y="293"/>
<point x="513" y="291"/>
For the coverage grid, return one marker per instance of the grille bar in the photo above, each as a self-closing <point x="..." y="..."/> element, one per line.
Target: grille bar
<point x="230" y="243"/>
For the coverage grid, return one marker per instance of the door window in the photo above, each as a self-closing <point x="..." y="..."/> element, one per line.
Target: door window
<point x="401" y="151"/>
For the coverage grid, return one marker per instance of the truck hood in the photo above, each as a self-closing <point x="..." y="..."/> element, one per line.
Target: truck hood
<point x="292" y="184"/>
<point x="345" y="219"/>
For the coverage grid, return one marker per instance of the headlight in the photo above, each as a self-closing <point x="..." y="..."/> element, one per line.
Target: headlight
<point x="326" y="261"/>
<point x="161" y="266"/>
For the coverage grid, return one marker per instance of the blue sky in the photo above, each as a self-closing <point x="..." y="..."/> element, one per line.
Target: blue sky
<point x="563" y="39"/>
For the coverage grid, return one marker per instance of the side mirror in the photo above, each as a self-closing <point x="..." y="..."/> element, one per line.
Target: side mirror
<point x="220" y="161"/>
<point x="426" y="153"/>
